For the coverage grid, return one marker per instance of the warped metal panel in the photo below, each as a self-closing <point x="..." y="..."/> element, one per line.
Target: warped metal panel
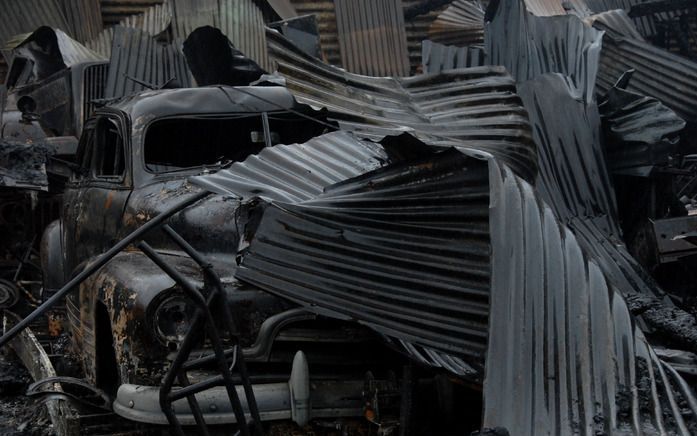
<point x="372" y="37"/>
<point x="403" y="250"/>
<point x="529" y="46"/>
<point x="474" y="107"/>
<point x="297" y="172"/>
<point x="670" y="78"/>
<point x="437" y="57"/>
<point x="565" y="355"/>
<point x="136" y="55"/>
<point x="461" y="24"/>
<point x="574" y="180"/>
<point x="615" y="23"/>
<point x="640" y="130"/>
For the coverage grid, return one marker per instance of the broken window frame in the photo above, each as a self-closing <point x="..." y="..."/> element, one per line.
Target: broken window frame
<point x="222" y="116"/>
<point x="87" y="153"/>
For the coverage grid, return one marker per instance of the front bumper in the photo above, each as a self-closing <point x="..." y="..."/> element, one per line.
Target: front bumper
<point x="299" y="400"/>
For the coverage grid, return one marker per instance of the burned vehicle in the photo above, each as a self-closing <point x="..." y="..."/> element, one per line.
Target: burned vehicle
<point x="128" y="321"/>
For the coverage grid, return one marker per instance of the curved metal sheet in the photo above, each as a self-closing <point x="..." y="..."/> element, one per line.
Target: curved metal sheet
<point x="565" y="355"/>
<point x="670" y="78"/>
<point x="403" y="250"/>
<point x="297" y="172"/>
<point x="461" y="24"/>
<point x="437" y="57"/>
<point x="529" y="46"/>
<point x="475" y="108"/>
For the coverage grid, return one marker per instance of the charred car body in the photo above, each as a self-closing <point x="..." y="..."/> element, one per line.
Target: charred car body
<point x="129" y="319"/>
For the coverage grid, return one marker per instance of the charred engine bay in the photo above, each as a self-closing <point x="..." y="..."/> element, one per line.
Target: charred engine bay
<point x="348" y="217"/>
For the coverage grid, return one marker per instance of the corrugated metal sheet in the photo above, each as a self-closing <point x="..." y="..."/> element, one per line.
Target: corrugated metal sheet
<point x="81" y="19"/>
<point x="615" y="23"/>
<point x="670" y="78"/>
<point x="372" y="37"/>
<point x="326" y="20"/>
<point x="416" y="28"/>
<point x="474" y="108"/>
<point x="438" y="57"/>
<point x="240" y="20"/>
<point x="565" y="356"/>
<point x="115" y="11"/>
<point x="402" y="250"/>
<point x="84" y="18"/>
<point x="640" y="130"/>
<point x="529" y="46"/>
<point x="154" y="20"/>
<point x="24" y="16"/>
<point x="461" y="24"/>
<point x="136" y="54"/>
<point x="297" y="172"/>
<point x="449" y="257"/>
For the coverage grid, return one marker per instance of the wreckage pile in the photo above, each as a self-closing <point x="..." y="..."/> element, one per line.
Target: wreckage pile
<point x="520" y="217"/>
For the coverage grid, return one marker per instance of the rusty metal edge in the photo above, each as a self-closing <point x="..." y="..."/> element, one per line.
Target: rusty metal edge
<point x="33" y="356"/>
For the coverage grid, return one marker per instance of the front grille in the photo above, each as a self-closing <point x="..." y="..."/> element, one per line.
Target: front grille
<point x="93" y="85"/>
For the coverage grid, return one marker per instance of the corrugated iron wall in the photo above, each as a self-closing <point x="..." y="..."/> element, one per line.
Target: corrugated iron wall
<point x="416" y="29"/>
<point x="372" y="37"/>
<point x="114" y="11"/>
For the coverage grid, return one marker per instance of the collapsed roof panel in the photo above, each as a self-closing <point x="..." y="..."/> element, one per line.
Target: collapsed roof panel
<point x="565" y="356"/>
<point x="461" y="24"/>
<point x="438" y="57"/>
<point x="297" y="172"/>
<point x="528" y="45"/>
<point x="668" y="77"/>
<point x="372" y="37"/>
<point x="403" y="250"/>
<point x="474" y="108"/>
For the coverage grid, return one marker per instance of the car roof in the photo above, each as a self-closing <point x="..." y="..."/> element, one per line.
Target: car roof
<point x="205" y="100"/>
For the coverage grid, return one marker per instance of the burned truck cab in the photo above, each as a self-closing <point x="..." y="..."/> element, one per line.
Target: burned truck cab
<point x="136" y="156"/>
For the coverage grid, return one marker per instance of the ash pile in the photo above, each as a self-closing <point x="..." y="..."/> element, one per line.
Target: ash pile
<point x="349" y="217"/>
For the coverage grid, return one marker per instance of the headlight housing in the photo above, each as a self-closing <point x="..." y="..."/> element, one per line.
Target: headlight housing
<point x="172" y="319"/>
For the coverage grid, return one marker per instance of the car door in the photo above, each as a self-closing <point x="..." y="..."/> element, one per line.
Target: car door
<point x="95" y="203"/>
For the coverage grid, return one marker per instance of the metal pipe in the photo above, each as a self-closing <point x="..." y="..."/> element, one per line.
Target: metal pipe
<point x="100" y="262"/>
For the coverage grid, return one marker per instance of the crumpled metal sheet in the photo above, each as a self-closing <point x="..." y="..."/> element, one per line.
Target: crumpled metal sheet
<point x="297" y="172"/>
<point x="615" y="23"/>
<point x="403" y="249"/>
<point x="529" y="46"/>
<point x="565" y="355"/>
<point x="573" y="175"/>
<point x="475" y="108"/>
<point x="138" y="55"/>
<point x="24" y="165"/>
<point x="461" y="24"/>
<point x="438" y="57"/>
<point x="640" y="130"/>
<point x="670" y="78"/>
<point x="52" y="50"/>
<point x="574" y="180"/>
<point x="448" y="257"/>
<point x="372" y="37"/>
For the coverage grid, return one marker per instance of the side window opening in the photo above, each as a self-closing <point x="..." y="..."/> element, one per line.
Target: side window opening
<point x="181" y="143"/>
<point x="109" y="160"/>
